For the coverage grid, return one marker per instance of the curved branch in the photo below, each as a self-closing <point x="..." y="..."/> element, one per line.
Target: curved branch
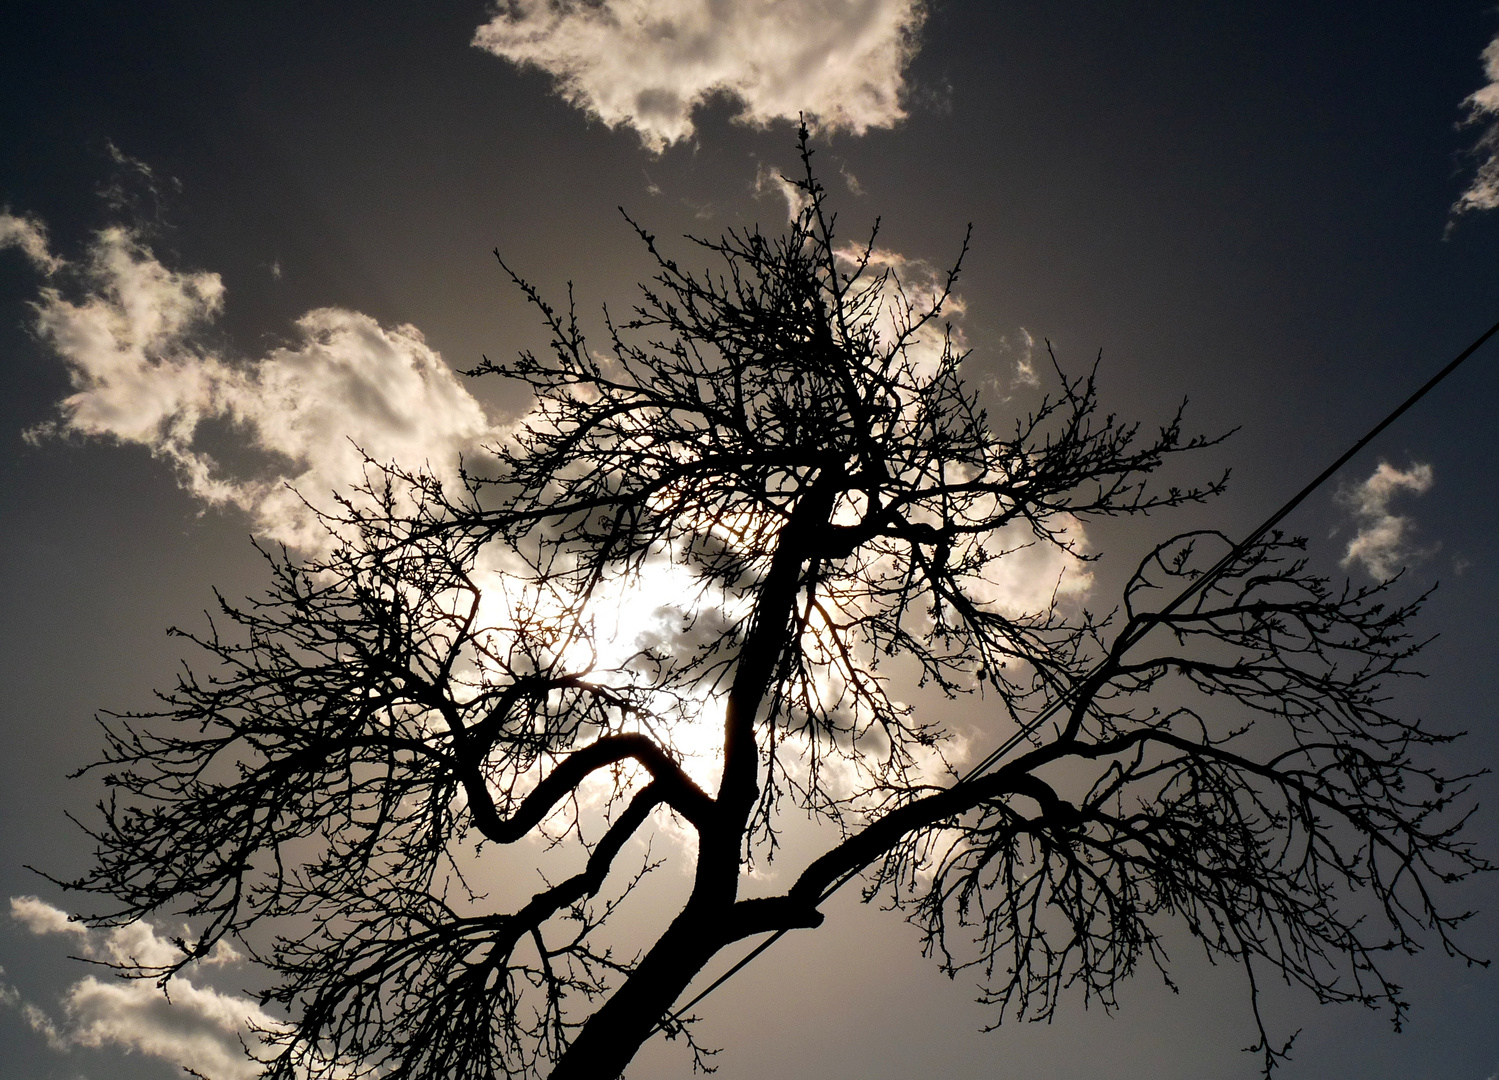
<point x="675" y="787"/>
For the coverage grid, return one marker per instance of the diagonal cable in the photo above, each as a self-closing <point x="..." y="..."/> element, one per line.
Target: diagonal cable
<point x="1129" y="640"/>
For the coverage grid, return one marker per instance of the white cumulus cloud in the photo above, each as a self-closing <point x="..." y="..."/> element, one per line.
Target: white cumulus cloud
<point x="343" y="388"/>
<point x="198" y="1028"/>
<point x="40" y="917"/>
<point x="649" y="64"/>
<point x="1481" y="109"/>
<point x="1382" y="543"/>
<point x="195" y="1026"/>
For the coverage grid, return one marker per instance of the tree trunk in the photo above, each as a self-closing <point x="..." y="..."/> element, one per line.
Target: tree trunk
<point x="614" y="1034"/>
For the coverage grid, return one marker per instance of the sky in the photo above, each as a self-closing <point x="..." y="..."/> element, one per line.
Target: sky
<point x="238" y="240"/>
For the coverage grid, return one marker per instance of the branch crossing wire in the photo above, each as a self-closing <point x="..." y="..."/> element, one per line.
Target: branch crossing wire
<point x="1130" y="640"/>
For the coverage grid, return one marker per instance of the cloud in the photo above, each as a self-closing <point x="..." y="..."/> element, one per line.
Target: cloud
<point x="40" y="917"/>
<point x="1481" y="108"/>
<point x="30" y="237"/>
<point x="851" y="182"/>
<point x="195" y="1027"/>
<point x="133" y="335"/>
<point x="42" y="1024"/>
<point x="1383" y="540"/>
<point x="1025" y="360"/>
<point x="769" y="178"/>
<point x="1033" y="573"/>
<point x="911" y="287"/>
<point x="136" y="187"/>
<point x="649" y="64"/>
<point x="344" y="387"/>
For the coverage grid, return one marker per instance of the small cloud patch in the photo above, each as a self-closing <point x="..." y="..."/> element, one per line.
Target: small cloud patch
<point x="28" y="236"/>
<point x="1383" y="542"/>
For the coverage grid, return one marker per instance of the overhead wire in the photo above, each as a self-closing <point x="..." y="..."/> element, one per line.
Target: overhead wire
<point x="1131" y="637"/>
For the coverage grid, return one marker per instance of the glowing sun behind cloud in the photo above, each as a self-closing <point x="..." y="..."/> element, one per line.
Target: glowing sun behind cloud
<point x="348" y="395"/>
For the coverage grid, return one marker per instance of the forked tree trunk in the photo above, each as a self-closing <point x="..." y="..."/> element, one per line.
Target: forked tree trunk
<point x="613" y="1035"/>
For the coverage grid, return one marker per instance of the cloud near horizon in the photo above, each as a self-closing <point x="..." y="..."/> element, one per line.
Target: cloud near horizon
<point x="344" y="387"/>
<point x="1382" y="543"/>
<point x="649" y="64"/>
<point x="196" y="1027"/>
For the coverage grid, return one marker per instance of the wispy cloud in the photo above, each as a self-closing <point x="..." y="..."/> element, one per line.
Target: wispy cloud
<point x="648" y="64"/>
<point x="770" y="180"/>
<point x="196" y="1027"/>
<point x="29" y="236"/>
<point x="130" y="332"/>
<point x="1382" y="543"/>
<point x="1481" y="110"/>
<point x="1025" y="359"/>
<point x="137" y="188"/>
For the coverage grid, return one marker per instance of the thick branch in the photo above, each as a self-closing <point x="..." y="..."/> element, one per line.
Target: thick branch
<point x="864" y="847"/>
<point x="675" y="787"/>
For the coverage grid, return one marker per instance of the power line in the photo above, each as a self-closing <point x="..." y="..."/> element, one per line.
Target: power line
<point x="1132" y="638"/>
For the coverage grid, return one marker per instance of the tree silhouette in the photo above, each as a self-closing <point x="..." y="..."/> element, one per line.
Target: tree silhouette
<point x="786" y="441"/>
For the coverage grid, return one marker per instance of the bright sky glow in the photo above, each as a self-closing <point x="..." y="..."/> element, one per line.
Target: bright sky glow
<point x="1234" y="207"/>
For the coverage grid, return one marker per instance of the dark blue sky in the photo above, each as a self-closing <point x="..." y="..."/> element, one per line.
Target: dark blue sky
<point x="1247" y="205"/>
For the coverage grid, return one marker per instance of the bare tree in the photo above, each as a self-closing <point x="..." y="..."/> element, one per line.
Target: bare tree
<point x="787" y="439"/>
